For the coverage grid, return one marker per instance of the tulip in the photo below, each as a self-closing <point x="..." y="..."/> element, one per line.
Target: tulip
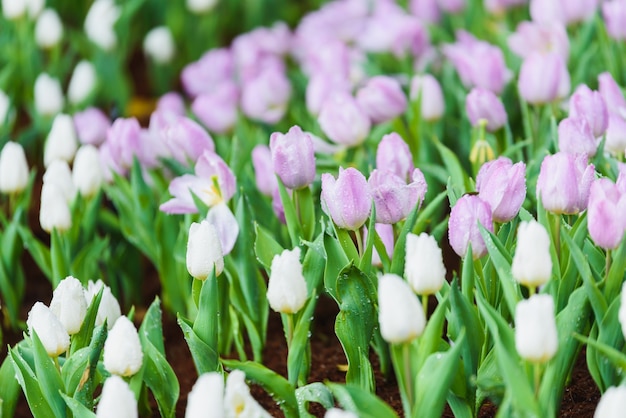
<point x="238" y="402"/>
<point x="5" y="107"/>
<point x="172" y="102"/>
<point x="320" y="87"/>
<point x="186" y="140"/>
<point x="264" y="169"/>
<point x="48" y="29"/>
<point x="578" y="11"/>
<point x="212" y="70"/>
<point x="615" y="142"/>
<point x="392" y="30"/>
<point x="400" y="313"/>
<point x="393" y="197"/>
<point x="543" y="78"/>
<point x="532" y="264"/>
<point x="546" y="11"/>
<point x="109" y="308"/>
<point x="117" y="400"/>
<point x="622" y="310"/>
<point x="69" y="304"/>
<point x="293" y="158"/>
<point x="266" y="96"/>
<point x="338" y="413"/>
<point x="502" y="185"/>
<point x="576" y="137"/>
<point x="463" y="230"/>
<point x="385" y="232"/>
<point x="87" y="174"/>
<point x="482" y="104"/>
<point x="82" y="83"/>
<point x="159" y="45"/>
<point x="49" y="329"/>
<point x="427" y="10"/>
<point x="62" y="142"/>
<point x="423" y="266"/>
<point x="91" y="126"/>
<point x="382" y="99"/>
<point x="54" y="212"/>
<point x="343" y="120"/>
<point x="393" y="154"/>
<point x="347" y="200"/>
<point x="13" y="9"/>
<point x="605" y="214"/>
<point x="204" y="251"/>
<point x="122" y="349"/>
<point x="612" y="403"/>
<point x="428" y="89"/>
<point x="286" y="289"/>
<point x="536" y="338"/>
<point x="59" y="173"/>
<point x="500" y="6"/>
<point x="34" y="8"/>
<point x="564" y="182"/>
<point x="100" y="23"/>
<point x="612" y="94"/>
<point x="217" y="110"/>
<point x="614" y="14"/>
<point x="590" y="106"/>
<point x="207" y="394"/>
<point x="451" y="6"/>
<point x="13" y="168"/>
<point x="200" y="6"/>
<point x="532" y="37"/>
<point x="48" y="95"/>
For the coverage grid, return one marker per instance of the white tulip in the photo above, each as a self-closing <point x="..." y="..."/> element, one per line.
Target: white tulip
<point x="87" y="174"/>
<point x="204" y="250"/>
<point x="423" y="266"/>
<point x="206" y="395"/>
<point x="238" y="402"/>
<point x="117" y="400"/>
<point x="200" y="6"/>
<point x="35" y="7"/>
<point x="536" y="338"/>
<point x="60" y="174"/>
<point x="286" y="290"/>
<point x="5" y="106"/>
<point x="400" y="312"/>
<point x="62" y="141"/>
<point x="532" y="264"/>
<point x="13" y="168"/>
<point x="49" y="329"/>
<point x="159" y="45"/>
<point x="13" y="9"/>
<point x="48" y="29"/>
<point x="82" y="83"/>
<point x="54" y="212"/>
<point x="48" y="95"/>
<point x="612" y="403"/>
<point x="338" y="413"/>
<point x="109" y="308"/>
<point x="100" y="23"/>
<point x="69" y="304"/>
<point x="122" y="349"/>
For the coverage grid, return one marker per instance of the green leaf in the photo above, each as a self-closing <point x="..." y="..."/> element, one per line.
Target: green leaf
<point x="82" y="338"/>
<point x="430" y="340"/>
<point x="160" y="379"/>
<point x="296" y="361"/>
<point x="307" y="212"/>
<point x="399" y="250"/>
<point x="313" y="392"/>
<point x="151" y="328"/>
<point x="336" y="261"/>
<point x="9" y="389"/>
<point x="78" y="409"/>
<point x="265" y="246"/>
<point x="204" y="357"/>
<point x="291" y="217"/>
<point x="360" y="401"/>
<point x="48" y="376"/>
<point x="458" y="177"/>
<point x="39" y="407"/>
<point x="38" y="251"/>
<point x="205" y="326"/>
<point x="60" y="263"/>
<point x="427" y="214"/>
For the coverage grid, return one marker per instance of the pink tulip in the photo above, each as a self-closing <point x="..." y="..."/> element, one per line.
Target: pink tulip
<point x="293" y="158"/>
<point x="264" y="169"/>
<point x="91" y="126"/>
<point x="590" y="105"/>
<point x="502" y="185"/>
<point x="482" y="104"/>
<point x="605" y="214"/>
<point x="576" y="137"/>
<point x="382" y="99"/>
<point x="463" y="230"/>
<point x="393" y="154"/>
<point x="217" y="110"/>
<point x="347" y="200"/>
<point x="343" y="120"/>
<point x="393" y="197"/>
<point x="543" y="78"/>
<point x="428" y="89"/>
<point x="533" y="37"/>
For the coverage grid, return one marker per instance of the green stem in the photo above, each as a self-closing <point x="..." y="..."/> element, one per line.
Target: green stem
<point x="557" y="236"/>
<point x="425" y="305"/>
<point x="406" y="359"/>
<point x="607" y="265"/>
<point x="196" y="288"/>
<point x="537" y="378"/>
<point x="289" y="330"/>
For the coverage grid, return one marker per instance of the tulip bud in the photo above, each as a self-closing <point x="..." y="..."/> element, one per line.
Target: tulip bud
<point x="91" y="126"/>
<point x="605" y="214"/>
<point x="13" y="9"/>
<point x="536" y="338"/>
<point x="400" y="313"/>
<point x="49" y="329"/>
<point x="343" y="120"/>
<point x="467" y="213"/>
<point x="122" y="349"/>
<point x="186" y="140"/>
<point x="200" y="6"/>
<point x="117" y="400"/>
<point x="238" y="402"/>
<point x="320" y="87"/>
<point x="576" y="137"/>
<point x="532" y="264"/>
<point x="590" y="105"/>
<point x="502" y="184"/>
<point x="207" y="394"/>
<point x="109" y="308"/>
<point x="347" y="200"/>
<point x="286" y="289"/>
<point x="204" y="251"/>
<point x="614" y="14"/>
<point x="428" y="89"/>
<point x="59" y="173"/>
<point x="382" y="99"/>
<point x="13" y="168"/>
<point x="69" y="304"/>
<point x="393" y="197"/>
<point x="531" y="37"/>
<point x="611" y="93"/>
<point x="393" y="154"/>
<point x="61" y="143"/>
<point x="48" y="95"/>
<point x="264" y="169"/>
<point x="87" y="174"/>
<point x="482" y="104"/>
<point x="266" y="96"/>
<point x="543" y="78"/>
<point x="100" y="23"/>
<point x="293" y="157"/>
<point x="48" y="29"/>
<point x="82" y="83"/>
<point x="5" y="107"/>
<point x="338" y="413"/>
<point x="615" y="142"/>
<point x="622" y="310"/>
<point x="54" y="212"/>
<point x="217" y="110"/>
<point x="423" y="266"/>
<point x="159" y="45"/>
<point x="34" y="8"/>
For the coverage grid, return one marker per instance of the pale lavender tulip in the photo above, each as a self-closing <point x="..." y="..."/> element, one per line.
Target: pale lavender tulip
<point x="382" y="99"/>
<point x="451" y="6"/>
<point x="578" y="11"/>
<point x="91" y="126"/>
<point x="546" y="11"/>
<point x="393" y="154"/>
<point x="612" y="94"/>
<point x="533" y="37"/>
<point x="426" y="87"/>
<point x="502" y="185"/>
<point x="265" y="98"/>
<point x="210" y="71"/>
<point x="391" y="30"/>
<point x="172" y="102"/>
<point x="564" y="182"/>
<point x="293" y="157"/>
<point x="500" y="6"/>
<point x="543" y="78"/>
<point x="264" y="169"/>
<point x="614" y="14"/>
<point x="347" y="200"/>
<point x="186" y="140"/>
<point x="605" y="214"/>
<point x="393" y="197"/>
<point x="343" y="120"/>
<point x="463" y="230"/>
<point x="385" y="232"/>
<point x="124" y="143"/>
<point x="616" y="135"/>
<point x="320" y="87"/>
<point x="217" y="110"/>
<point x="576" y="137"/>
<point x="426" y="10"/>
<point x="589" y="105"/>
<point x="333" y="59"/>
<point x="482" y="104"/>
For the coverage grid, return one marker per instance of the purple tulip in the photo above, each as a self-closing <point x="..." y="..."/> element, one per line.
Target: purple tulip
<point x="589" y="105"/>
<point x="500" y="6"/>
<point x="293" y="157"/>
<point x="382" y="99"/>
<point x="320" y="87"/>
<point x="124" y="142"/>
<point x="277" y="205"/>
<point x="543" y="78"/>
<point x="463" y="230"/>
<point x="347" y="200"/>
<point x="343" y="120"/>
<point x="172" y="102"/>
<point x="264" y="169"/>
<point x="265" y="97"/>
<point x="614" y="14"/>
<point x="393" y="154"/>
<point x="578" y="11"/>
<point x="616" y="135"/>
<point x="385" y="232"/>
<point x="605" y="214"/>
<point x="482" y="104"/>
<point x="546" y="11"/>
<point x="217" y="110"/>
<point x="451" y="6"/>
<point x="393" y="197"/>
<point x="564" y="181"/>
<point x="432" y="102"/>
<point x="211" y="70"/>
<point x="502" y="185"/>
<point x="612" y="94"/>
<point x="91" y="126"/>
<point x="534" y="37"/>
<point x="187" y="140"/>
<point x="427" y="10"/>
<point x="576" y="137"/>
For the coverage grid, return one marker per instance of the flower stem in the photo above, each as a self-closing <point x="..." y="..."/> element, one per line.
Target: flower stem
<point x="607" y="265"/>
<point x="406" y="359"/>
<point x="537" y="376"/>
<point x="425" y="305"/>
<point x="289" y="330"/>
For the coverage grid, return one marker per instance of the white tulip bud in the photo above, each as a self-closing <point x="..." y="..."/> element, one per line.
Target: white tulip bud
<point x="13" y="168"/>
<point x="54" y="212"/>
<point x="60" y="174"/>
<point x="109" y="308"/>
<point x="100" y="23"/>
<point x="204" y="250"/>
<point x="87" y="173"/>
<point x="612" y="403"/>
<point x="400" y="312"/>
<point x="82" y="83"/>
<point x="13" y="9"/>
<point x="117" y="400"/>
<point x="35" y="7"/>
<point x="5" y="106"/>
<point x="532" y="264"/>
<point x="206" y="395"/>
<point x="69" y="304"/>
<point x="423" y="266"/>
<point x="49" y="329"/>
<point x="200" y="6"/>
<point x="536" y="337"/>
<point x="48" y="29"/>
<point x="159" y="45"/>
<point x="122" y="349"/>
<point x="286" y="290"/>
<point x="338" y="413"/>
<point x="48" y="95"/>
<point x="238" y="402"/>
<point x="62" y="142"/>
